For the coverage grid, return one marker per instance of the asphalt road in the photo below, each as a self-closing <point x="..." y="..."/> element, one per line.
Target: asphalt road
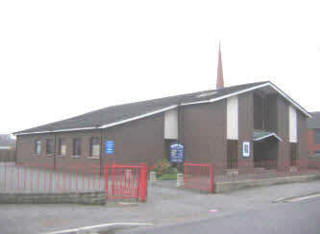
<point x="243" y="211"/>
<point x="301" y="217"/>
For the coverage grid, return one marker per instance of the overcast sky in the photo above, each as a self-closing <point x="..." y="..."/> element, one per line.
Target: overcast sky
<point x="63" y="58"/>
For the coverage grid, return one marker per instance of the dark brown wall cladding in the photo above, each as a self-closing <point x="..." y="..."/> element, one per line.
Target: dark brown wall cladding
<point x="271" y="112"/>
<point x="302" y="136"/>
<point x="259" y="110"/>
<point x="246" y="122"/>
<point x="204" y="132"/>
<point x="138" y="141"/>
<point x="232" y="154"/>
<point x="283" y="130"/>
<point x="135" y="142"/>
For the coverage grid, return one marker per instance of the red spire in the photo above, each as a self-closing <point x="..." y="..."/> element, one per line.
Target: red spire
<point x="220" y="83"/>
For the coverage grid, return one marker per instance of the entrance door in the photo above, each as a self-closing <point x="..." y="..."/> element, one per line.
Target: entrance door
<point x="266" y="153"/>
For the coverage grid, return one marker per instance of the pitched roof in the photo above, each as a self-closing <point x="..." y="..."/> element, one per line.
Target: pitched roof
<point x="314" y="122"/>
<point x="115" y="115"/>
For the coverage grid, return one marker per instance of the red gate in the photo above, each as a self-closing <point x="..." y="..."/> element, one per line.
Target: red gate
<point x="199" y="176"/>
<point x="126" y="181"/>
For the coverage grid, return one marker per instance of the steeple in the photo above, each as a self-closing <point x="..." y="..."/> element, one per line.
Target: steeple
<point x="220" y="83"/>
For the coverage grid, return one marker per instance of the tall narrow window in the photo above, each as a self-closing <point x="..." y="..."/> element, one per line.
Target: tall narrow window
<point x="49" y="146"/>
<point x="62" y="147"/>
<point x="94" y="147"/>
<point x="37" y="147"/>
<point x="76" y="146"/>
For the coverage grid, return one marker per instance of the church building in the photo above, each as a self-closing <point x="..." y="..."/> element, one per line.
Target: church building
<point x="229" y="126"/>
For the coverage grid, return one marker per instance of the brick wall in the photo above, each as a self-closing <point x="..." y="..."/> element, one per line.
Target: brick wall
<point x="204" y="132"/>
<point x="135" y="142"/>
<point x="311" y="146"/>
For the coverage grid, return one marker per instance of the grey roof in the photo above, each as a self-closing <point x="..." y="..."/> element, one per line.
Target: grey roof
<point x="314" y="122"/>
<point x="112" y="114"/>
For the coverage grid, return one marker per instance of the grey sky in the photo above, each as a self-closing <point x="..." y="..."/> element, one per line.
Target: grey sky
<point x="63" y="58"/>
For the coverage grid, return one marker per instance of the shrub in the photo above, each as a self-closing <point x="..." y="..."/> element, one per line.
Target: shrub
<point x="163" y="166"/>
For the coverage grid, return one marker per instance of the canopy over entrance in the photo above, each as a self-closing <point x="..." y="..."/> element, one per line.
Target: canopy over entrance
<point x="265" y="148"/>
<point x="261" y="135"/>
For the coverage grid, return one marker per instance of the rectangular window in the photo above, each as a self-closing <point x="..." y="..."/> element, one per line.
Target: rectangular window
<point x="316" y="136"/>
<point x="62" y="147"/>
<point x="49" y="146"/>
<point x="76" y="146"/>
<point x="37" y="147"/>
<point x="94" y="147"/>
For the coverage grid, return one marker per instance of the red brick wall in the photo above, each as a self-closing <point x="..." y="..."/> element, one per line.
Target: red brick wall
<point x="246" y="123"/>
<point x="310" y="143"/>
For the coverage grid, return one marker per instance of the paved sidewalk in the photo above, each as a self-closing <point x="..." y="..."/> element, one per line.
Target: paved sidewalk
<point x="165" y="205"/>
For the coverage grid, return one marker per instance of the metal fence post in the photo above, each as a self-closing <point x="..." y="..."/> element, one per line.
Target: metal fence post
<point x="211" y="179"/>
<point x="143" y="182"/>
<point x="106" y="179"/>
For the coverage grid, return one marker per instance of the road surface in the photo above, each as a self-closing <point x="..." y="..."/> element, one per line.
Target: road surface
<point x="296" y="217"/>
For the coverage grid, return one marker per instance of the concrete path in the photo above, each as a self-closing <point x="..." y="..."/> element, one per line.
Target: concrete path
<point x="165" y="205"/>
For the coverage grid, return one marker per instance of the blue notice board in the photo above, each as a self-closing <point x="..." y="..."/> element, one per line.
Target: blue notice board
<point x="176" y="153"/>
<point x="109" y="147"/>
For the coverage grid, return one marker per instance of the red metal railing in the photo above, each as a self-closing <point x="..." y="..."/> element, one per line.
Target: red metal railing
<point x="43" y="178"/>
<point x="199" y="176"/>
<point x="126" y="181"/>
<point x="250" y="169"/>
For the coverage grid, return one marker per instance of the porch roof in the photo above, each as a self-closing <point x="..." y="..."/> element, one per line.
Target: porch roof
<point x="261" y="135"/>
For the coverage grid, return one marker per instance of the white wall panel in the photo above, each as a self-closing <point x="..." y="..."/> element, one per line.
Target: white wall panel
<point x="292" y="124"/>
<point x="171" y="124"/>
<point x="232" y="118"/>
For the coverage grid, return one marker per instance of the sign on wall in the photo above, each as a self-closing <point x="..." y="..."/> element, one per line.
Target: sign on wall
<point x="246" y="149"/>
<point x="176" y="153"/>
<point x="109" y="147"/>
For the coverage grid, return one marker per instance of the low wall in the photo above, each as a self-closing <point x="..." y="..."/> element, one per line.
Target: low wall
<point x="90" y="198"/>
<point x="221" y="187"/>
